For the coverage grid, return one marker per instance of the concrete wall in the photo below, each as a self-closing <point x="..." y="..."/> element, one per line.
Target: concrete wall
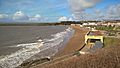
<point x="93" y="37"/>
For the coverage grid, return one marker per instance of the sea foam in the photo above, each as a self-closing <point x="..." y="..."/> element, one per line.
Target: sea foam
<point x="45" y="47"/>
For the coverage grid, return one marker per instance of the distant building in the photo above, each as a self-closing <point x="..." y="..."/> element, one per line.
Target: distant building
<point x="93" y="36"/>
<point x="84" y="24"/>
<point x="117" y="24"/>
<point x="72" y="24"/>
<point x="93" y="42"/>
<point x="92" y="23"/>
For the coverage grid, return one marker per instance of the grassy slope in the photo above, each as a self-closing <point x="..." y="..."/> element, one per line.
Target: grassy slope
<point x="108" y="57"/>
<point x="111" y="41"/>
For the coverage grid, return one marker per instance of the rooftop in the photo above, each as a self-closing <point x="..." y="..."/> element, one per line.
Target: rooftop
<point x="94" y="33"/>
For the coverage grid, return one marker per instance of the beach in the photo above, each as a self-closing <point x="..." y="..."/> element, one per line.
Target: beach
<point x="75" y="43"/>
<point x="63" y="43"/>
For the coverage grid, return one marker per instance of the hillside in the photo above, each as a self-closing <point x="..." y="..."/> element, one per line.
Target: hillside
<point x="108" y="57"/>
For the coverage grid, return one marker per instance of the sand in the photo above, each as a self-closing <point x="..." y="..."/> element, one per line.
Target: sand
<point x="75" y="43"/>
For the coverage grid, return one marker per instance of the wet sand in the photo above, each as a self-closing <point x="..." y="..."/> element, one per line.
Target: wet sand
<point x="75" y="43"/>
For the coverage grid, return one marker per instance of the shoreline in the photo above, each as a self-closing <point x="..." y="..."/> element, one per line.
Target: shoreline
<point x="27" y="51"/>
<point x="75" y="42"/>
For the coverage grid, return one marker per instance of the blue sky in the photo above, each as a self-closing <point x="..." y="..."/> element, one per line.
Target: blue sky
<point x="32" y="7"/>
<point x="106" y="3"/>
<point x="52" y="10"/>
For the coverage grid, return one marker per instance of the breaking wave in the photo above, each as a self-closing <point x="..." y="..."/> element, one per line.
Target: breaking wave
<point x="45" y="47"/>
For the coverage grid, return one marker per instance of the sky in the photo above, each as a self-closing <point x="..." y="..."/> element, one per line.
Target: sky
<point x="58" y="10"/>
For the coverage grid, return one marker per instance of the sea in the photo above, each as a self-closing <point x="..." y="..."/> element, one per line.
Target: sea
<point x="25" y="43"/>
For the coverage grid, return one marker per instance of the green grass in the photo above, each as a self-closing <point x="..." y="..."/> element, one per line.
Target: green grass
<point x="111" y="41"/>
<point x="108" y="28"/>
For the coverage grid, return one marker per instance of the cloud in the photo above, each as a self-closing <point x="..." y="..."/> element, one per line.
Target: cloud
<point x="63" y="18"/>
<point x="5" y="18"/>
<point x="114" y="11"/>
<point x="111" y="12"/>
<point x="3" y="15"/>
<point x="78" y="6"/>
<point x="81" y="5"/>
<point x="70" y="19"/>
<point x="37" y="17"/>
<point x="19" y="15"/>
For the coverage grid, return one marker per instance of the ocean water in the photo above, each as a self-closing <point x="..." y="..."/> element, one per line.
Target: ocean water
<point x="24" y="43"/>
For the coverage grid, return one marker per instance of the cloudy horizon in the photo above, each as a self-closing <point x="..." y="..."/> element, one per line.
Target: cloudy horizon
<point x="58" y="10"/>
